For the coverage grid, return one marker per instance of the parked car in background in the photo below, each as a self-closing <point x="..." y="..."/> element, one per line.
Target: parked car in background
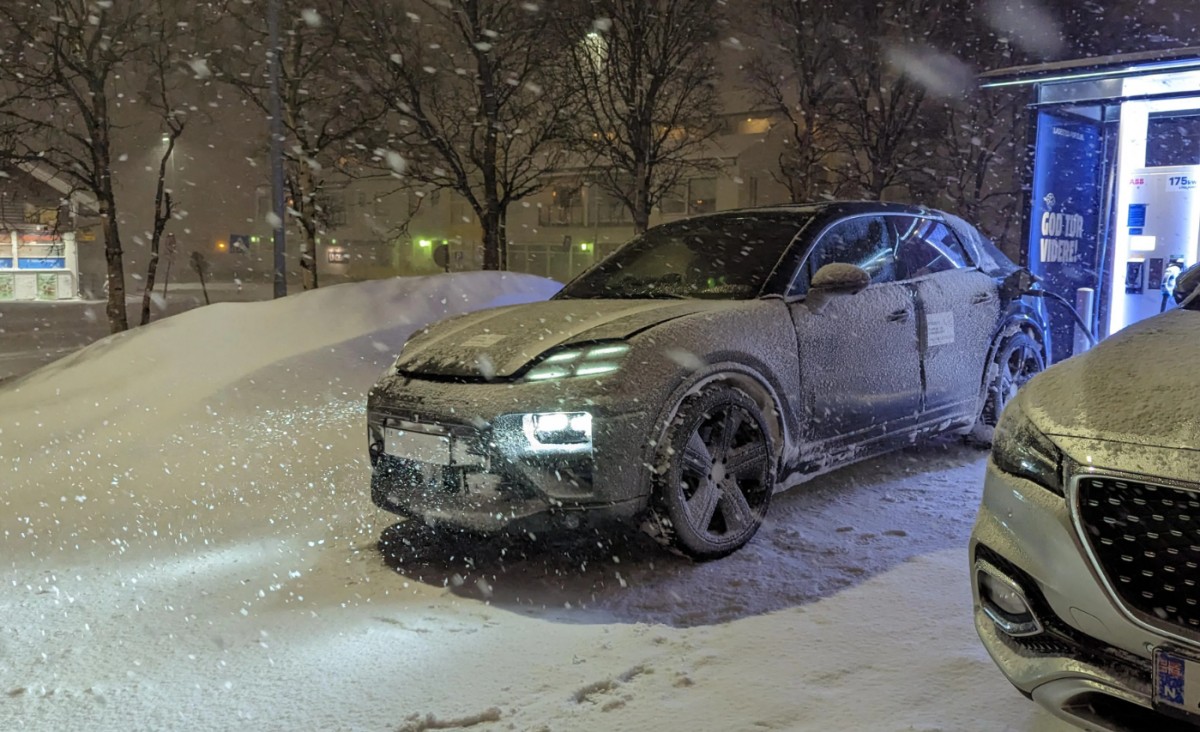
<point x="678" y="380"/>
<point x="1086" y="551"/>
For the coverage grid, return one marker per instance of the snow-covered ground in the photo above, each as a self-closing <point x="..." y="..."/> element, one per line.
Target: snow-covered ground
<point x="187" y="542"/>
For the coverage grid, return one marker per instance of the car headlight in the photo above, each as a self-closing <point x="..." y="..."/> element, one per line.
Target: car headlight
<point x="594" y="360"/>
<point x="1019" y="448"/>
<point x="557" y="428"/>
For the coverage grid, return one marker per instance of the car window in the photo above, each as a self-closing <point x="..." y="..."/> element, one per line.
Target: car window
<point x="725" y="257"/>
<point x="864" y="241"/>
<point x="925" y="247"/>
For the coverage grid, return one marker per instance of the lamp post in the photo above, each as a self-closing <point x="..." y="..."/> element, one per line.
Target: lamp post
<point x="273" y="55"/>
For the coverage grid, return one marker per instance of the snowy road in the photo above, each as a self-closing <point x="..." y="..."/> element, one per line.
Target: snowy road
<point x="192" y="547"/>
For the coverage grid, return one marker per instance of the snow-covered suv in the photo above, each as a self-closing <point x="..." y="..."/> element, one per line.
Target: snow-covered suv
<point x="1086" y="552"/>
<point x="678" y="379"/>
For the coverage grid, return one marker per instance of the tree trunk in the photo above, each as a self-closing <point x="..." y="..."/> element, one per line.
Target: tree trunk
<point x="493" y="234"/>
<point x="878" y="183"/>
<point x="118" y="319"/>
<point x="306" y="196"/>
<point x="308" y="256"/>
<point x="160" y="224"/>
<point x="151" y="270"/>
<point x="641" y="211"/>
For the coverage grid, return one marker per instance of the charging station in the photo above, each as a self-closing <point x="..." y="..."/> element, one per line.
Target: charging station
<point x="1113" y="191"/>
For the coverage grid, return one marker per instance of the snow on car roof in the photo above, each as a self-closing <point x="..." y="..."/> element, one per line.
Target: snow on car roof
<point x="837" y="208"/>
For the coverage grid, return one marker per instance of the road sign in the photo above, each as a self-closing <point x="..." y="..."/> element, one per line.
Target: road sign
<point x="441" y="257"/>
<point x="239" y="243"/>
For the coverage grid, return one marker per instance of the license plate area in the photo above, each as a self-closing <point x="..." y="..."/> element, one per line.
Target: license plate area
<point x="421" y="447"/>
<point x="430" y="445"/>
<point x="1177" y="683"/>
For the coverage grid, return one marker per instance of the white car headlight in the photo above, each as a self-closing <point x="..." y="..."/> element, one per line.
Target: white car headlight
<point x="557" y="428"/>
<point x="1020" y="448"/>
<point x="595" y="360"/>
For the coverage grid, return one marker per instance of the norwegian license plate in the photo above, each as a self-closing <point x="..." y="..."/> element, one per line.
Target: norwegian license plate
<point x="421" y="447"/>
<point x="1177" y="683"/>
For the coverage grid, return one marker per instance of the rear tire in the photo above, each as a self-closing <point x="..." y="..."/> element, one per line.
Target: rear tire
<point x="1017" y="360"/>
<point x="714" y="475"/>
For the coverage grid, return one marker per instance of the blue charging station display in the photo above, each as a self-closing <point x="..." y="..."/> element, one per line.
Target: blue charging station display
<point x="1065" y="226"/>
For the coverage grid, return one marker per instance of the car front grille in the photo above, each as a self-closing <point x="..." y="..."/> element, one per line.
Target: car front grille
<point x="1146" y="539"/>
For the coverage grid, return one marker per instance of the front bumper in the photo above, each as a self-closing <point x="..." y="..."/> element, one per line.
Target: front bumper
<point x="1089" y="663"/>
<point x="497" y="480"/>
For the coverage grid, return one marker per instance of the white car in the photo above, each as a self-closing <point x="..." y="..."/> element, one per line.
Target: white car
<point x="1086" y="552"/>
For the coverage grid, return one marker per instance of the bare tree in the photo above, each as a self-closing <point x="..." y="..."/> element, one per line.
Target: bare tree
<point x="980" y="155"/>
<point x="325" y="109"/>
<point x="880" y="110"/>
<point x="794" y="75"/>
<point x="62" y="62"/>
<point x="473" y="107"/>
<point x="642" y="77"/>
<point x="161" y="95"/>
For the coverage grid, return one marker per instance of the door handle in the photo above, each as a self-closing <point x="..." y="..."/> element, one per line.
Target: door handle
<point x="900" y="316"/>
<point x="982" y="297"/>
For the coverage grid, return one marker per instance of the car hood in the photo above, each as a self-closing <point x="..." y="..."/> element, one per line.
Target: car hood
<point x="499" y="343"/>
<point x="1139" y="387"/>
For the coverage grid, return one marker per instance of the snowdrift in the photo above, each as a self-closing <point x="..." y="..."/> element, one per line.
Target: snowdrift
<point x="139" y="439"/>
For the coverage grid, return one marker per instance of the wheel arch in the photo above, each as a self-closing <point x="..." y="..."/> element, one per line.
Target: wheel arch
<point x="1013" y="325"/>
<point x="746" y="379"/>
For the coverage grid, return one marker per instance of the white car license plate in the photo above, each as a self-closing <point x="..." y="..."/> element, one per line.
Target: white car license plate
<point x="419" y="446"/>
<point x="1177" y="682"/>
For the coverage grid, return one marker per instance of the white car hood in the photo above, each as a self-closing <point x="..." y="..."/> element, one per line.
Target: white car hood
<point x="499" y="343"/>
<point x="1141" y="387"/>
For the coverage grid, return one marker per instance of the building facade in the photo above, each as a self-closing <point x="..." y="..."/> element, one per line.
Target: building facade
<point x="39" y="256"/>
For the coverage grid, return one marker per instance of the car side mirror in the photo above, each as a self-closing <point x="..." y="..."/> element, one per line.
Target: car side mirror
<point x="835" y="280"/>
<point x="841" y="279"/>
<point x="1187" y="283"/>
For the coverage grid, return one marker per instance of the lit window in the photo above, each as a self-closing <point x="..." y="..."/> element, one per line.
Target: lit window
<point x="754" y="126"/>
<point x="702" y="195"/>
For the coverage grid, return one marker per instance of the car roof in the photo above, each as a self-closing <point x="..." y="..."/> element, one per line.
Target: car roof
<point x="835" y="208"/>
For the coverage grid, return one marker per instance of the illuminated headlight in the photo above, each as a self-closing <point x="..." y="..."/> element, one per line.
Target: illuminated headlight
<point x="1019" y="448"/>
<point x="558" y="428"/>
<point x="602" y="358"/>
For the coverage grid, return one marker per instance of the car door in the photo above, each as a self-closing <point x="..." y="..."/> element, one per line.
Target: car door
<point x="858" y="358"/>
<point x="958" y="309"/>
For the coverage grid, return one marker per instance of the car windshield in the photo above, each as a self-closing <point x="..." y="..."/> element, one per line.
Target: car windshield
<point x="724" y="258"/>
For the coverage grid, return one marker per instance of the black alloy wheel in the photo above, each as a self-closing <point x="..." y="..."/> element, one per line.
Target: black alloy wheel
<point x="715" y="475"/>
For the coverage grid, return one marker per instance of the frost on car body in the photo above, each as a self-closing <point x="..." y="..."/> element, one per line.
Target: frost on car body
<point x="1085" y="552"/>
<point x="812" y="336"/>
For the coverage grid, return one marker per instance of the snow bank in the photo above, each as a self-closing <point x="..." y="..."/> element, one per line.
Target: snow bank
<point x="143" y="438"/>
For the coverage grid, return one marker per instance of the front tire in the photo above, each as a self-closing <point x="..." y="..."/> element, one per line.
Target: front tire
<point x="1018" y="359"/>
<point x="714" y="475"/>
